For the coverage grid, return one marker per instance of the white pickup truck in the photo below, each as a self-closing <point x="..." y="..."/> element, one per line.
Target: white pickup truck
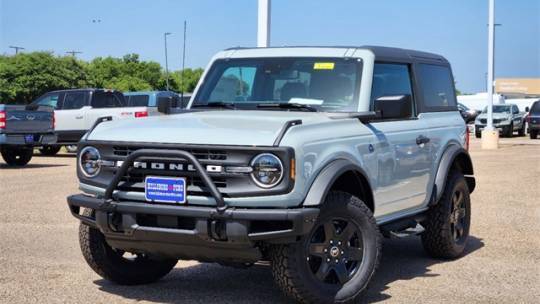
<point x="77" y="110"/>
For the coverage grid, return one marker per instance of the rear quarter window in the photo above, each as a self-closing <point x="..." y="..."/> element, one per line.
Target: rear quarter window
<point x="137" y="100"/>
<point x="436" y="88"/>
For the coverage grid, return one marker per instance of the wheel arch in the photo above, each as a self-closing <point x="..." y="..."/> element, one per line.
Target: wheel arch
<point x="341" y="175"/>
<point x="454" y="157"/>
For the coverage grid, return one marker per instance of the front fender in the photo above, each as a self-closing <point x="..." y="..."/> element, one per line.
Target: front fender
<point x="451" y="154"/>
<point x="326" y="178"/>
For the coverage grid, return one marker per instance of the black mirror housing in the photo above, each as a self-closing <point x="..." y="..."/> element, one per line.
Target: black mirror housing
<point x="165" y="105"/>
<point x="394" y="107"/>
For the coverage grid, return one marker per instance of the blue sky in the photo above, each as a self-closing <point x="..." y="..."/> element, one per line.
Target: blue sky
<point x="454" y="28"/>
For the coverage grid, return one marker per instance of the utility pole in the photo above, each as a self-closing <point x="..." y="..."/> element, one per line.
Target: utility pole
<point x="263" y="23"/>
<point x="183" y="64"/>
<point x="73" y="52"/>
<point x="490" y="136"/>
<point x="17" y="48"/>
<point x="166" y="60"/>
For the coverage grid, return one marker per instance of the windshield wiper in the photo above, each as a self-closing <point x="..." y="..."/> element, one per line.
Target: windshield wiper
<point x="296" y="106"/>
<point x="216" y="104"/>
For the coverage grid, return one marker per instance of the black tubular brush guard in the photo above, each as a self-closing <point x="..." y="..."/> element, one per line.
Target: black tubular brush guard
<point x="220" y="202"/>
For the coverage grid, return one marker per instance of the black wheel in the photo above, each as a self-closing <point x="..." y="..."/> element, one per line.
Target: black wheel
<point x="533" y="134"/>
<point x="448" y="222"/>
<point x="49" y="150"/>
<point x="521" y="131"/>
<point x="508" y="131"/>
<point x="335" y="262"/>
<point x="15" y="156"/>
<point x="116" y="265"/>
<point x="478" y="134"/>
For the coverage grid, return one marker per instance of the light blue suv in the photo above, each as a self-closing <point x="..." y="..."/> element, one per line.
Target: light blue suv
<point x="301" y="156"/>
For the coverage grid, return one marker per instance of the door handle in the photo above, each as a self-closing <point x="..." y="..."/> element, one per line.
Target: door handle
<point x="79" y="117"/>
<point x="422" y="140"/>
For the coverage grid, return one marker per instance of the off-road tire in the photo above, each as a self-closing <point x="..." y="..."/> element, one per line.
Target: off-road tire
<point x="110" y="265"/>
<point x="15" y="156"/>
<point x="290" y="268"/>
<point x="533" y="134"/>
<point x="50" y="150"/>
<point x="438" y="239"/>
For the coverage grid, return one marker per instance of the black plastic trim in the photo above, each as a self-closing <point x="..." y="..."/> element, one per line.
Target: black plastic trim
<point x="284" y="129"/>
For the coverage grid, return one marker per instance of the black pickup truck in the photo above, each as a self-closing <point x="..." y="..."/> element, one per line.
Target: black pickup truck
<point x="22" y="129"/>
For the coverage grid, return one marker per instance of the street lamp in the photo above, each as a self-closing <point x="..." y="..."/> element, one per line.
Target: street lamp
<point x="166" y="59"/>
<point x="17" y="48"/>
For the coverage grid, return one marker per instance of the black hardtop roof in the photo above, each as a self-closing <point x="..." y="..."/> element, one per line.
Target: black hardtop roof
<point x="85" y="90"/>
<point x="381" y="52"/>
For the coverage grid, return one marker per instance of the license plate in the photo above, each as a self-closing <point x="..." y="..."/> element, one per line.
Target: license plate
<point x="165" y="189"/>
<point x="29" y="139"/>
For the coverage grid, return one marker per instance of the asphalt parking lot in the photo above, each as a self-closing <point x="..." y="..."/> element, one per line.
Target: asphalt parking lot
<point x="40" y="260"/>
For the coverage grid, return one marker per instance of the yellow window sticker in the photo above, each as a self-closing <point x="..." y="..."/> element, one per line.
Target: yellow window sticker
<point x="323" y="66"/>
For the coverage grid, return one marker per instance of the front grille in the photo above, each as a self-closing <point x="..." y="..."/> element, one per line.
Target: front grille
<point x="200" y="154"/>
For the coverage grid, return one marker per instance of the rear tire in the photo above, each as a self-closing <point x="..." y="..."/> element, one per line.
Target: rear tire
<point x="509" y="130"/>
<point x="16" y="156"/>
<point x="533" y="134"/>
<point x="112" y="265"/>
<point x="49" y="150"/>
<point x="478" y="134"/>
<point x="521" y="131"/>
<point x="448" y="222"/>
<point x="336" y="260"/>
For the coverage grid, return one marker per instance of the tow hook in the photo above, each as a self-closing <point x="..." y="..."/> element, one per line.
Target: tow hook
<point x="217" y="230"/>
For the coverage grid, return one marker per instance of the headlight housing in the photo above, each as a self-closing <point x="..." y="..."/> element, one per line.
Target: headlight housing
<point x="267" y="170"/>
<point x="90" y="161"/>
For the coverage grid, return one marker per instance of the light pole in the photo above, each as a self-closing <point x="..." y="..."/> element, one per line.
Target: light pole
<point x="17" y="48"/>
<point x="263" y="23"/>
<point x="166" y="60"/>
<point x="73" y="53"/>
<point x="490" y="136"/>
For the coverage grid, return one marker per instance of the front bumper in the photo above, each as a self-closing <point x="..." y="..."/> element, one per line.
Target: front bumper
<point x="192" y="232"/>
<point x="18" y="139"/>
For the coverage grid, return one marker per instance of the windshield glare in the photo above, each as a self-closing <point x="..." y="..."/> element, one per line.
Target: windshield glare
<point x="327" y="84"/>
<point x="499" y="109"/>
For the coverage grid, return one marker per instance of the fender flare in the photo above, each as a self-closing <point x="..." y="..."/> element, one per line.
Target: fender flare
<point x="448" y="158"/>
<point x="327" y="177"/>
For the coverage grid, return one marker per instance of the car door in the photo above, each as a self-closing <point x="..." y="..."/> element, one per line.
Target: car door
<point x="517" y="117"/>
<point x="403" y="143"/>
<point x="105" y="103"/>
<point x="70" y="124"/>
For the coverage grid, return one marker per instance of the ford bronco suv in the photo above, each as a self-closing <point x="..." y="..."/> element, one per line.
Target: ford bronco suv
<point x="303" y="157"/>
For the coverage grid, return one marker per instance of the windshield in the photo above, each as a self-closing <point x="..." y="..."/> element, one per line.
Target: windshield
<point x="325" y="84"/>
<point x="499" y="109"/>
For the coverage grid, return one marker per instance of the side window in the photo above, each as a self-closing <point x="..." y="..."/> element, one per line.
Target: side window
<point x="74" y="100"/>
<point x="236" y="84"/>
<point x="49" y="100"/>
<point x="137" y="100"/>
<point x="515" y="109"/>
<point x="107" y="100"/>
<point x="437" y="88"/>
<point x="392" y="90"/>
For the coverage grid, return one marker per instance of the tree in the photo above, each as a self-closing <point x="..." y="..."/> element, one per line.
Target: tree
<point x="190" y="79"/>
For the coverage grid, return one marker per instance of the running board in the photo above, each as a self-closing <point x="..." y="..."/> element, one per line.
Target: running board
<point x="407" y="232"/>
<point x="405" y="227"/>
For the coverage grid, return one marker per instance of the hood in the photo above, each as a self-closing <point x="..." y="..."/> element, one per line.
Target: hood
<point x="224" y="127"/>
<point x="495" y="115"/>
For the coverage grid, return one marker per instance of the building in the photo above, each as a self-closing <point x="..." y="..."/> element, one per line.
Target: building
<point x="518" y="87"/>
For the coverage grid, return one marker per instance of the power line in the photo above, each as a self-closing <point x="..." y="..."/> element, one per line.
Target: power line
<point x="17" y="48"/>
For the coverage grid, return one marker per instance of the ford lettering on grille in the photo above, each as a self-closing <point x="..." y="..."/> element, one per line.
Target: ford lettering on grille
<point x="172" y="166"/>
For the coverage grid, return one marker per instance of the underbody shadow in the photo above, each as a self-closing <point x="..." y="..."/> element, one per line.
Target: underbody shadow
<point x="402" y="259"/>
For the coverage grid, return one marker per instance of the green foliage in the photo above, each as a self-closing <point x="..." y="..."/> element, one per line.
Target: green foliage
<point x="26" y="76"/>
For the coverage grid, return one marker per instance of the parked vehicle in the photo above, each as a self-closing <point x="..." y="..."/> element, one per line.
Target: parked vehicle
<point x="151" y="98"/>
<point x="77" y="111"/>
<point x="301" y="156"/>
<point x="533" y="120"/>
<point x="469" y="115"/>
<point x="506" y="118"/>
<point x="21" y="130"/>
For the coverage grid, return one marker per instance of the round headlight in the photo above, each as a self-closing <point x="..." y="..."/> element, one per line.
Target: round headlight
<point x="89" y="161"/>
<point x="267" y="170"/>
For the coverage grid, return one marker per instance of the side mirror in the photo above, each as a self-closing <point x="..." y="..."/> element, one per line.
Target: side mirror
<point x="394" y="107"/>
<point x="164" y="105"/>
<point x="527" y="109"/>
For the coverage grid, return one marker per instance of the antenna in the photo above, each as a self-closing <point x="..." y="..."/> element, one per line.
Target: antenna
<point x="73" y="52"/>
<point x="183" y="64"/>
